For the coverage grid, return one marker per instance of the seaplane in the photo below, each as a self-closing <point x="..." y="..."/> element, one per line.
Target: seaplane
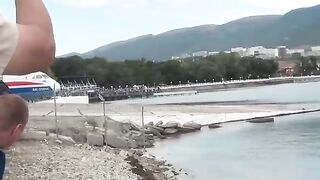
<point x="32" y="87"/>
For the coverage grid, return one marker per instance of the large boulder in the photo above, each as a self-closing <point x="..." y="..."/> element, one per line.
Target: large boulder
<point x="95" y="139"/>
<point x="192" y="125"/>
<point x="63" y="139"/>
<point x="150" y="124"/>
<point x="261" y="120"/>
<point x="214" y="126"/>
<point x="133" y="144"/>
<point x="34" y="135"/>
<point x="160" y="123"/>
<point x="154" y="131"/>
<point x="134" y="127"/>
<point x="116" y="141"/>
<point x="172" y="124"/>
<point x="170" y="131"/>
<point x="186" y="129"/>
<point x="136" y="138"/>
<point x="160" y="129"/>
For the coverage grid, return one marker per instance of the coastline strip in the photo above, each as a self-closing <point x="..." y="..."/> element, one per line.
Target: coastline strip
<point x="271" y="116"/>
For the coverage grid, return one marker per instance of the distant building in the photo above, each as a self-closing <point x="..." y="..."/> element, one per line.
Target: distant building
<point x="297" y="55"/>
<point x="295" y="52"/>
<point x="200" y="54"/>
<point x="312" y="53"/>
<point x="240" y="50"/>
<point x="315" y="48"/>
<point x="262" y="52"/>
<point x="182" y="56"/>
<point x="213" y="53"/>
<point x="282" y="51"/>
<point x="175" y="57"/>
<point x="253" y="50"/>
<point x="266" y="56"/>
<point x="186" y="55"/>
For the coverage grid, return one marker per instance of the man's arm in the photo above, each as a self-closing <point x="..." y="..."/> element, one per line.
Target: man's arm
<point x="35" y="49"/>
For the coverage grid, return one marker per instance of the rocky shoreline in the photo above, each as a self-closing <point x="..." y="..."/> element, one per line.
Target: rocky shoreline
<point x="49" y="159"/>
<point x="79" y="150"/>
<point x="43" y="154"/>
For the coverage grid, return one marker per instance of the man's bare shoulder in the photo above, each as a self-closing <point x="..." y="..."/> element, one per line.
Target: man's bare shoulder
<point x="34" y="51"/>
<point x="8" y="39"/>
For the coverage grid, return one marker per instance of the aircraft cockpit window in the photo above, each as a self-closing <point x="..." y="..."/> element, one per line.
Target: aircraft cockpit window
<point x="45" y="76"/>
<point x="38" y="77"/>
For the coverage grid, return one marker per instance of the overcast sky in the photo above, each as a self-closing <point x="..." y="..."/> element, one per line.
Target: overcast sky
<point x="82" y="25"/>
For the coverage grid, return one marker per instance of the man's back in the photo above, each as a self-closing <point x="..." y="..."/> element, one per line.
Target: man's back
<point x="8" y="39"/>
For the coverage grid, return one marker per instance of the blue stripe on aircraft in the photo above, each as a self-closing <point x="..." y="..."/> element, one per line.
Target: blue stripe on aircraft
<point x="33" y="93"/>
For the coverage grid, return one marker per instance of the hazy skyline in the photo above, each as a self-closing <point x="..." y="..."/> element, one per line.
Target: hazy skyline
<point x="82" y="25"/>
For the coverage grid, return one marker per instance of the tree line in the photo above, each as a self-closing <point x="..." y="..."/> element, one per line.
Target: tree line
<point x="216" y="68"/>
<point x="307" y="66"/>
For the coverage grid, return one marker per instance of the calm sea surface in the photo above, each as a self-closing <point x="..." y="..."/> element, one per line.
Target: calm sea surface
<point x="284" y="93"/>
<point x="286" y="149"/>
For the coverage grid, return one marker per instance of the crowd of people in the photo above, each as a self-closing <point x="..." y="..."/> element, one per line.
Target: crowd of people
<point x="109" y="94"/>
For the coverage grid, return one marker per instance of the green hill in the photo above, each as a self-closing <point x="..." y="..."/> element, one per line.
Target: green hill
<point x="296" y="28"/>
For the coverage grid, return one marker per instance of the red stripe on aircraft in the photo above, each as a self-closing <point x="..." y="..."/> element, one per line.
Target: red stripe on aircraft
<point x="18" y="83"/>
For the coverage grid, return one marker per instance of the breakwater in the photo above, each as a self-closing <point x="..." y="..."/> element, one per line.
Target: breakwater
<point x="209" y="87"/>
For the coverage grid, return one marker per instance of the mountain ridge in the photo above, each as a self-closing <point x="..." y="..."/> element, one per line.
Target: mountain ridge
<point x="296" y="28"/>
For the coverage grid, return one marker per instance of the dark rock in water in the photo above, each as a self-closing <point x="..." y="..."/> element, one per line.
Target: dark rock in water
<point x="135" y="127"/>
<point x="186" y="129"/>
<point x="160" y="129"/>
<point x="261" y="120"/>
<point x="159" y="123"/>
<point x="150" y="124"/>
<point x="175" y="173"/>
<point x="154" y="131"/>
<point x="214" y="126"/>
<point x="192" y="125"/>
<point x="172" y="125"/>
<point x="170" y="131"/>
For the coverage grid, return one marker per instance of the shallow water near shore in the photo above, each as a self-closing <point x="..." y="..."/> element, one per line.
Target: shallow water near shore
<point x="301" y="93"/>
<point x="286" y="149"/>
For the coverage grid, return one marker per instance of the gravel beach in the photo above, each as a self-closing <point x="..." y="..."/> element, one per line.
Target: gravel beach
<point x="50" y="160"/>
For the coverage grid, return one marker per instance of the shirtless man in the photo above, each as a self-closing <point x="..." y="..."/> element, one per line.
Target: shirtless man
<point x="25" y="46"/>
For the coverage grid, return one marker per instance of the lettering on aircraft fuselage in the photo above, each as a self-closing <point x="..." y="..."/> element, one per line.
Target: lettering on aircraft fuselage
<point x="40" y="89"/>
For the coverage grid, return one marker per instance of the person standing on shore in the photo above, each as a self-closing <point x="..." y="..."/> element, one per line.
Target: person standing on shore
<point x="25" y="46"/>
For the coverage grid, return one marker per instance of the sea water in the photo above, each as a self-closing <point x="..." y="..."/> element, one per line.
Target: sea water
<point x="302" y="93"/>
<point x="289" y="148"/>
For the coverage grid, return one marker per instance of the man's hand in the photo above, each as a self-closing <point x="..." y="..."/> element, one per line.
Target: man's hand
<point x="35" y="50"/>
